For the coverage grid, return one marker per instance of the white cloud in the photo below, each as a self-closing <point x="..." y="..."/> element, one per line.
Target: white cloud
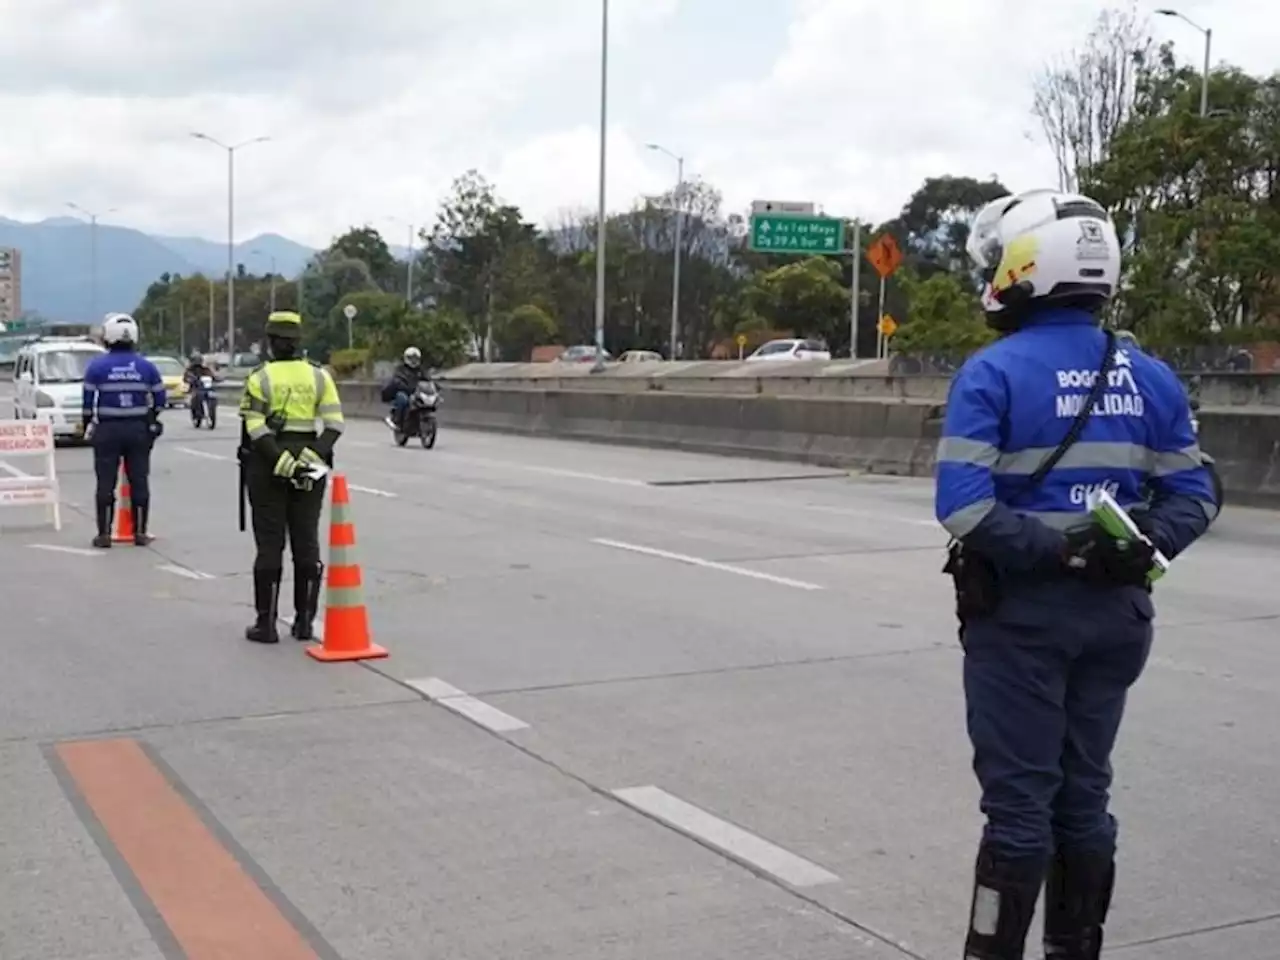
<point x="373" y="109"/>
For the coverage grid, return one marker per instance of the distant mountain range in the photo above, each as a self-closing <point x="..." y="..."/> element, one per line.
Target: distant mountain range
<point x="57" y="263"/>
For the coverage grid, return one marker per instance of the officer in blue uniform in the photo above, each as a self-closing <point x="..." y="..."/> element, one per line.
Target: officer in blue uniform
<point x="123" y="396"/>
<point x="1055" y="615"/>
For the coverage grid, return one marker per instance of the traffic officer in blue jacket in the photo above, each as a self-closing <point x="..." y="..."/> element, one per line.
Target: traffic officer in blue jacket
<point x="123" y="396"/>
<point x="1055" y="614"/>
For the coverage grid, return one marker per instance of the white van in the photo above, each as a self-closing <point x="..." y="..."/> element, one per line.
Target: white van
<point x="48" y="382"/>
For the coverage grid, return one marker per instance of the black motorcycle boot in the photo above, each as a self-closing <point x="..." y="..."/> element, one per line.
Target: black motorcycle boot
<point x="306" y="600"/>
<point x="105" y="509"/>
<point x="1004" y="902"/>
<point x="141" y="514"/>
<point x="1077" y="897"/>
<point x="266" y="596"/>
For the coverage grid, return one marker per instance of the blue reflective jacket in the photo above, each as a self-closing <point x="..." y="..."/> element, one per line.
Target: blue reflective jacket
<point x="1013" y="402"/>
<point x="122" y="385"/>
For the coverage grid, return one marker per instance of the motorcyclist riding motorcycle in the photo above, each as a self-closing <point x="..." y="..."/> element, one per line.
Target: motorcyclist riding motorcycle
<point x="403" y="382"/>
<point x="196" y="368"/>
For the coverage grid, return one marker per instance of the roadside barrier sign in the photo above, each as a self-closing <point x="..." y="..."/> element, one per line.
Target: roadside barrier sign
<point x="29" y="440"/>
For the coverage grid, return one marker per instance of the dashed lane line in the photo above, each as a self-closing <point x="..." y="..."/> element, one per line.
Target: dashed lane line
<point x="450" y="697"/>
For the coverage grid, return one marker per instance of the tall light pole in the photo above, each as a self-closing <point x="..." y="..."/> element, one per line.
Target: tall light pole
<point x="1208" y="40"/>
<point x="231" y="231"/>
<point x="93" y="257"/>
<point x="675" y="270"/>
<point x="600" y="226"/>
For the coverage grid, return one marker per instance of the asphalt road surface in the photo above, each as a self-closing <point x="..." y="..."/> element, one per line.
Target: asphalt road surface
<point x="630" y="711"/>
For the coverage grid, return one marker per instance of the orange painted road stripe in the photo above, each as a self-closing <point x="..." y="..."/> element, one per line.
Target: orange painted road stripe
<point x="213" y="908"/>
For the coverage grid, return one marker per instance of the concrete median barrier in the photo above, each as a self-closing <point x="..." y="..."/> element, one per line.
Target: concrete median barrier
<point x="881" y="434"/>
<point x="893" y="434"/>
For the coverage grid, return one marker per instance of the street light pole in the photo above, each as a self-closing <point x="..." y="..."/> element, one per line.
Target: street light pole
<point x="675" y="270"/>
<point x="93" y="257"/>
<point x="231" y="231"/>
<point x="1208" y="41"/>
<point x="600" y="226"/>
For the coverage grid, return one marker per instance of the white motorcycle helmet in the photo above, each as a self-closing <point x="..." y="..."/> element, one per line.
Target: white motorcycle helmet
<point x="412" y="357"/>
<point x="119" y="328"/>
<point x="1043" y="247"/>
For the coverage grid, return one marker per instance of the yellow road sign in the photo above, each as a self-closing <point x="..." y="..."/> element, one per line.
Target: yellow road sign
<point x="742" y="339"/>
<point x="887" y="326"/>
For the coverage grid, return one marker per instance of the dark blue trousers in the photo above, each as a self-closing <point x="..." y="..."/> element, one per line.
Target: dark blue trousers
<point x="128" y="440"/>
<point x="1045" y="682"/>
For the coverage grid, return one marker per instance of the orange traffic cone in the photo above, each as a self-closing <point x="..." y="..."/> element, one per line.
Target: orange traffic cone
<point x="122" y="530"/>
<point x="346" y="620"/>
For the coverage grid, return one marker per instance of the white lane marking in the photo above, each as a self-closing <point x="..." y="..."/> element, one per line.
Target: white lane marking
<point x="873" y="515"/>
<point x="724" y="836"/>
<point x="185" y="572"/>
<point x="57" y="548"/>
<point x="374" y="492"/>
<point x="709" y="564"/>
<point x="447" y="695"/>
<point x="13" y="471"/>
<point x="201" y="453"/>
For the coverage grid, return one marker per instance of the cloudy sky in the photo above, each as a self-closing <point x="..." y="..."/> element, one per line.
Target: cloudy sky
<point x="374" y="107"/>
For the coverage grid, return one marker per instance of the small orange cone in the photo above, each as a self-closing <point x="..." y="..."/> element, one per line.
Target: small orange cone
<point x="346" y="620"/>
<point x="123" y="531"/>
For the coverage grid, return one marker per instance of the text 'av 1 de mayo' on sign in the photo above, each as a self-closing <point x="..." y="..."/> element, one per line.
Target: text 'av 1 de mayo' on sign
<point x="25" y="438"/>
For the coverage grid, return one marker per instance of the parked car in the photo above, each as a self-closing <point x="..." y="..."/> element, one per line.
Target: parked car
<point x="171" y="372"/>
<point x="48" y="381"/>
<point x="791" y="350"/>
<point x="582" y="353"/>
<point x="640" y="356"/>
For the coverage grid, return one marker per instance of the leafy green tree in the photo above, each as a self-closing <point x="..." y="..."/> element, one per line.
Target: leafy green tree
<point x="945" y="316"/>
<point x="805" y="297"/>
<point x="366" y="245"/>
<point x="518" y="331"/>
<point x="1197" y="199"/>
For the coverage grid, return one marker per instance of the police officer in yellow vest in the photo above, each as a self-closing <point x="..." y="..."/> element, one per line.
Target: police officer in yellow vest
<point x="283" y="400"/>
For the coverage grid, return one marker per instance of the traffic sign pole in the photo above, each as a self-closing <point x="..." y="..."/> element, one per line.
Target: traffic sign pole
<point x="886" y="257"/>
<point x="349" y="311"/>
<point x="855" y="285"/>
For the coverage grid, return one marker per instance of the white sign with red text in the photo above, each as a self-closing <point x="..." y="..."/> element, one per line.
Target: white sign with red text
<point x="29" y="440"/>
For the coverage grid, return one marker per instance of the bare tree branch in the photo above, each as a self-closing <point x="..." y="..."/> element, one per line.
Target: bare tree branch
<point x="1082" y="100"/>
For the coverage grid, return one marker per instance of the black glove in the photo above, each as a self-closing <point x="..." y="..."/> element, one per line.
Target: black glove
<point x="1098" y="558"/>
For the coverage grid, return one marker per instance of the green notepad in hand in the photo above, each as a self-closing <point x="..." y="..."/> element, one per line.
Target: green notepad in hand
<point x="1114" y="519"/>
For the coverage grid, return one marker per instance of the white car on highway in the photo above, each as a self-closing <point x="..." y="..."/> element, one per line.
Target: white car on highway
<point x="791" y="350"/>
<point x="48" y="382"/>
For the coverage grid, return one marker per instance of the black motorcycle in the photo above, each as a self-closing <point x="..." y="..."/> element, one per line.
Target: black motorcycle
<point x="419" y="418"/>
<point x="204" y="403"/>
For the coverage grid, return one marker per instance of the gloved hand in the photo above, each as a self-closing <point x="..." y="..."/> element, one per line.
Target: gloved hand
<point x="309" y="457"/>
<point x="89" y="428"/>
<point x="1099" y="558"/>
<point x="286" y="465"/>
<point x="157" y="428"/>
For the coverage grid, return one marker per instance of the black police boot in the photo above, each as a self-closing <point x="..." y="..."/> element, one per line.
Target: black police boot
<point x="104" y="510"/>
<point x="266" y="596"/>
<point x="306" y="600"/>
<point x="1004" y="901"/>
<point x="140" y="516"/>
<point x="1077" y="896"/>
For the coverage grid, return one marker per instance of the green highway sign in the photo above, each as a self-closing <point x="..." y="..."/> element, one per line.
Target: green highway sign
<point x="795" y="234"/>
